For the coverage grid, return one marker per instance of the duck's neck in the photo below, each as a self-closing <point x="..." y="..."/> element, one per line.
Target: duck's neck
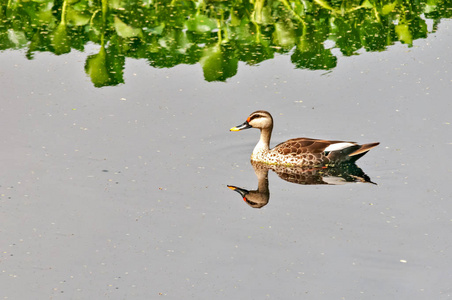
<point x="262" y="177"/>
<point x="264" y="142"/>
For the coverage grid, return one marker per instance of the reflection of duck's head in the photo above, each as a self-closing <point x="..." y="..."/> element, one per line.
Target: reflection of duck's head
<point x="255" y="199"/>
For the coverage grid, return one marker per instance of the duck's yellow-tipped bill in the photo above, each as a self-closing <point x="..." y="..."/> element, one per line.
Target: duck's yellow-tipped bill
<point x="232" y="187"/>
<point x="245" y="125"/>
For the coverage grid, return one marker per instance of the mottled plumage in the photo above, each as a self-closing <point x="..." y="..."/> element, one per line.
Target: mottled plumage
<point x="342" y="174"/>
<point x="300" y="151"/>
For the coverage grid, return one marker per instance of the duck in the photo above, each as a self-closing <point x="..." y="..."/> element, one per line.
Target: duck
<point x="300" y="152"/>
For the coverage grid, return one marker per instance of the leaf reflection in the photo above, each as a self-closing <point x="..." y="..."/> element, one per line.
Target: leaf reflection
<point x="215" y="34"/>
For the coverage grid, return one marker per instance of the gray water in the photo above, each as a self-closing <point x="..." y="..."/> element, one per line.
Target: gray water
<point x="121" y="192"/>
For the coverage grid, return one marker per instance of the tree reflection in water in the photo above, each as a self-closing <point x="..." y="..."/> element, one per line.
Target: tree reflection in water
<point x="216" y="34"/>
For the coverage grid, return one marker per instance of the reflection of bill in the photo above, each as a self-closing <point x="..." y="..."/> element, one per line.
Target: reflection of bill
<point x="342" y="174"/>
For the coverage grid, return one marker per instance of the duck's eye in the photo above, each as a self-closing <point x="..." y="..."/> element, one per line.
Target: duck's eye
<point x="255" y="116"/>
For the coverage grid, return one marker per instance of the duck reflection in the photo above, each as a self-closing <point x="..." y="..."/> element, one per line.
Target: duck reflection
<point x="323" y="175"/>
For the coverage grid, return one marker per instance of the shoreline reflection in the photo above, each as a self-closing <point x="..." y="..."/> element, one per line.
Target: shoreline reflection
<point x="217" y="35"/>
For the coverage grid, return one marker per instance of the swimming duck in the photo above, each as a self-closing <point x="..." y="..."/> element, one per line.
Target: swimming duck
<point x="303" y="152"/>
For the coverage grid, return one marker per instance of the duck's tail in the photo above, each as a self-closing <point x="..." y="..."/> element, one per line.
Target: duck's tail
<point x="362" y="150"/>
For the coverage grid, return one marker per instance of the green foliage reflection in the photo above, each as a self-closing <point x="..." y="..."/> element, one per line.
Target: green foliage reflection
<point x="217" y="34"/>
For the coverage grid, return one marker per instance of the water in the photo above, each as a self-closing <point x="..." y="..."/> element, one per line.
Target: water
<point x="121" y="191"/>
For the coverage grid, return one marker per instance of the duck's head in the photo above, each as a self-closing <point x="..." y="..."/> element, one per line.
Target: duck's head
<point x="255" y="199"/>
<point x="259" y="119"/>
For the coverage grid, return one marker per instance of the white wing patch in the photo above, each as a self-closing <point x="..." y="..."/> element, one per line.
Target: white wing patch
<point x="334" y="180"/>
<point x="338" y="146"/>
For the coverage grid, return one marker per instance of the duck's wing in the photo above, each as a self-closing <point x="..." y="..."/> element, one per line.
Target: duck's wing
<point x="308" y="145"/>
<point x="323" y="151"/>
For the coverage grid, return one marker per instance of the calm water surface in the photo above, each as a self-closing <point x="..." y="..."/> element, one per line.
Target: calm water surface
<point x="121" y="192"/>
